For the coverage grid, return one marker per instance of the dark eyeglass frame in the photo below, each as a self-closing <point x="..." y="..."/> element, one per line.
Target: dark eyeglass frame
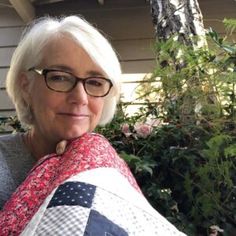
<point x="44" y="73"/>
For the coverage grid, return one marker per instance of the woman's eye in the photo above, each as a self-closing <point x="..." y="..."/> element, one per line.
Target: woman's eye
<point x="59" y="78"/>
<point x="94" y="82"/>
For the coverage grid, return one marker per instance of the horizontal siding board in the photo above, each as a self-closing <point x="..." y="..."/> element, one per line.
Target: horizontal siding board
<point x="123" y="23"/>
<point x="9" y="18"/>
<point x="10" y="36"/>
<point x="134" y="49"/>
<point x="209" y="7"/>
<point x="124" y="20"/>
<point x="5" y="56"/>
<point x="218" y="9"/>
<point x="138" y="66"/>
<point x="7" y="113"/>
<point x="126" y="49"/>
<point x="218" y="26"/>
<point x="214" y="11"/>
<point x="3" y="74"/>
<point x="5" y="103"/>
<point x="89" y="5"/>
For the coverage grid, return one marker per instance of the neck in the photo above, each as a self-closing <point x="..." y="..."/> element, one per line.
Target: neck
<point x="37" y="145"/>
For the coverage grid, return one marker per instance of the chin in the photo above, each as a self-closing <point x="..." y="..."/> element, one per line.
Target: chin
<point x="75" y="134"/>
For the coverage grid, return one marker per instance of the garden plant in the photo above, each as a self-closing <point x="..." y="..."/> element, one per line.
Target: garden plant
<point x="181" y="144"/>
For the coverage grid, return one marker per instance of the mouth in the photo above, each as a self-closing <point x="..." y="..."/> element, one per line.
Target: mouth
<point x="74" y="115"/>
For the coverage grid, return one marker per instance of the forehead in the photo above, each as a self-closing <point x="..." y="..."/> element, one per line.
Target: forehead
<point x="64" y="51"/>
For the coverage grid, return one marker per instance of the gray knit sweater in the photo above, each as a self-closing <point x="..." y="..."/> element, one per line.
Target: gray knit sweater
<point x="15" y="163"/>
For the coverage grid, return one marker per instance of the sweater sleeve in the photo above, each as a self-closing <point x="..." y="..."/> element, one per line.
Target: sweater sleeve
<point x="7" y="183"/>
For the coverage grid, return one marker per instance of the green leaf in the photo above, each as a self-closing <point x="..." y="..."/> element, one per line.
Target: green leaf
<point x="230" y="151"/>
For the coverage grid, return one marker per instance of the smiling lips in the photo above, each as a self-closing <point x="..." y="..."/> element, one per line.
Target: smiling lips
<point x="74" y="115"/>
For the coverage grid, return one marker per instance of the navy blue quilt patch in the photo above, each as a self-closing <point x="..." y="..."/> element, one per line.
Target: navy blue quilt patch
<point x="73" y="194"/>
<point x="99" y="225"/>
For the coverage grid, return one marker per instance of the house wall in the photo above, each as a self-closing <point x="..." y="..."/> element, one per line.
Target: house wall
<point x="214" y="11"/>
<point x="127" y="23"/>
<point x="10" y="30"/>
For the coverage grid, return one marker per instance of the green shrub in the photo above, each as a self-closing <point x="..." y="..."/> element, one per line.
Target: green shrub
<point x="181" y="144"/>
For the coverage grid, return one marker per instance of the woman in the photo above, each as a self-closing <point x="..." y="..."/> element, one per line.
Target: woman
<point x="64" y="80"/>
<point x="56" y="115"/>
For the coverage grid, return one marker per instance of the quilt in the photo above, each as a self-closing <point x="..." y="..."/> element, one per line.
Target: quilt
<point x="88" y="191"/>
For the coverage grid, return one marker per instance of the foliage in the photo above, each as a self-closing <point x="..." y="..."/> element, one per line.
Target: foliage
<point x="230" y="25"/>
<point x="185" y="162"/>
<point x="10" y="124"/>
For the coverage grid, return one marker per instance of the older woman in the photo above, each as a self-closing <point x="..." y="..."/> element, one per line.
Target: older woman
<point x="64" y="80"/>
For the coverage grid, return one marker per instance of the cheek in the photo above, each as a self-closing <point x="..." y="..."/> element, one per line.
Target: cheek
<point x="96" y="107"/>
<point x="42" y="101"/>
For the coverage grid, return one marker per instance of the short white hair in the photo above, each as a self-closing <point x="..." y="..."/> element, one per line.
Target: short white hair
<point x="29" y="51"/>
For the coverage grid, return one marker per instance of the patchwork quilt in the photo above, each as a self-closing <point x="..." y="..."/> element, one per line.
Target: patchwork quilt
<point x="88" y="191"/>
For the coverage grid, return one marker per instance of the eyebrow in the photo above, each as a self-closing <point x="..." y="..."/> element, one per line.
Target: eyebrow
<point x="70" y="70"/>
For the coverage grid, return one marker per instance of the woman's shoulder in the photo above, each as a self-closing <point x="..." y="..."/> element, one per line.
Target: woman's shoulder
<point x="7" y="140"/>
<point x="12" y="145"/>
<point x="15" y="157"/>
<point x="14" y="164"/>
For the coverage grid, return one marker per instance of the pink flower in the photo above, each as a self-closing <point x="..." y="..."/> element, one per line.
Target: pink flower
<point x="154" y="122"/>
<point x="125" y="130"/>
<point x="143" y="130"/>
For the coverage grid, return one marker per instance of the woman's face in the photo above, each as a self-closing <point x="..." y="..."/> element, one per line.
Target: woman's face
<point x="57" y="115"/>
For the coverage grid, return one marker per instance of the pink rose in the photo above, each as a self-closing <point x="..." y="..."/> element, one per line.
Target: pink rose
<point x="125" y="130"/>
<point x="143" y="130"/>
<point x="154" y="122"/>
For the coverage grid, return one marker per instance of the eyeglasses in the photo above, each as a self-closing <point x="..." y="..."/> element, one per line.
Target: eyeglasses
<point x="64" y="82"/>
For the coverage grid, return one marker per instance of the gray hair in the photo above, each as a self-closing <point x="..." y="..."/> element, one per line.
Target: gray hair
<point x="28" y="54"/>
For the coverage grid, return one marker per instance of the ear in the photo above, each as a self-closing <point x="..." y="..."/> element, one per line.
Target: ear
<point x="25" y="87"/>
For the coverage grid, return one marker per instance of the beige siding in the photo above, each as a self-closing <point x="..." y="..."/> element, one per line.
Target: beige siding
<point x="9" y="18"/>
<point x="129" y="28"/>
<point x="214" y="11"/>
<point x="3" y="73"/>
<point x="10" y="29"/>
<point x="142" y="66"/>
<point x="5" y="55"/>
<point x="10" y="35"/>
<point x="122" y="24"/>
<point x="134" y="49"/>
<point x="7" y="103"/>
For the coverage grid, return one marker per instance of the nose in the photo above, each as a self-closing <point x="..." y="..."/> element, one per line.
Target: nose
<point x="78" y="95"/>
